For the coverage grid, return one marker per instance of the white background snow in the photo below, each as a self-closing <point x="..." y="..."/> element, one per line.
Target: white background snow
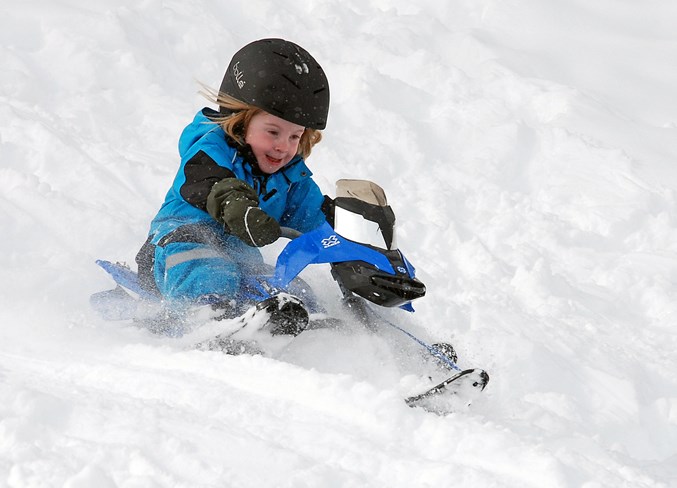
<point x="528" y="148"/>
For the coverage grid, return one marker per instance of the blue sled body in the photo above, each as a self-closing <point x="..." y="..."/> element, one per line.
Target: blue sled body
<point x="322" y="245"/>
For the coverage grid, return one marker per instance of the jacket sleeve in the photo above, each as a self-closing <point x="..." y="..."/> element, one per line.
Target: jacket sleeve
<point x="201" y="173"/>
<point x="304" y="207"/>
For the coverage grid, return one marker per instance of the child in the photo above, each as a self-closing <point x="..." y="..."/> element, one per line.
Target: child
<point x="242" y="176"/>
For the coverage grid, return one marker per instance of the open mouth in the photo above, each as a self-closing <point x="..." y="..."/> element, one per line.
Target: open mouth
<point x="273" y="160"/>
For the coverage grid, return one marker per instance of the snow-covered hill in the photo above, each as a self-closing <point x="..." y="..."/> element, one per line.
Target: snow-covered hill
<point x="528" y="149"/>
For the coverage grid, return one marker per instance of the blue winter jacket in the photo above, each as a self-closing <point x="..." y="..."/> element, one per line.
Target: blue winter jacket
<point x="290" y="195"/>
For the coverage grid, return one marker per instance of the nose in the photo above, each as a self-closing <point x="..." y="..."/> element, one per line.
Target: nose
<point x="281" y="145"/>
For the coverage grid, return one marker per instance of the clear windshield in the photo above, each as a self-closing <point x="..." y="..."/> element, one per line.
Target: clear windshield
<point x="356" y="228"/>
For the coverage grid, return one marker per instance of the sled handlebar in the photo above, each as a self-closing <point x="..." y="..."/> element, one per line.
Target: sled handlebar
<point x="289" y="233"/>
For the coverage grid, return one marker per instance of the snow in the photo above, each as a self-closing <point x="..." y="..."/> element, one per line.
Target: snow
<point x="528" y="150"/>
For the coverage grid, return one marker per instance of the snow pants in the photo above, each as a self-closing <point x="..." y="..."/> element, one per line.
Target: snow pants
<point x="196" y="263"/>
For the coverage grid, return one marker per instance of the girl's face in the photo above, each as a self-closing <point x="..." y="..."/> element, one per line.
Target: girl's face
<point x="273" y="140"/>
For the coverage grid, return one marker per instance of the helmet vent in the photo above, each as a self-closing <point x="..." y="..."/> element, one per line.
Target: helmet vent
<point x="291" y="81"/>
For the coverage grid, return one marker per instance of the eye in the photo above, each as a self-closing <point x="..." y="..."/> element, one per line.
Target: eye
<point x="272" y="132"/>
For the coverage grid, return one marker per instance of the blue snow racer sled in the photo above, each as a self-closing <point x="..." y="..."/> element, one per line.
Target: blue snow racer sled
<point x="359" y="243"/>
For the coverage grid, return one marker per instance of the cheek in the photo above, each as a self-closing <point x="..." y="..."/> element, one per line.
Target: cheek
<point x="295" y="146"/>
<point x="254" y="140"/>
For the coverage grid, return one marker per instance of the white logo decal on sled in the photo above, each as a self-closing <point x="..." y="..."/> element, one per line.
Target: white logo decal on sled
<point x="330" y="241"/>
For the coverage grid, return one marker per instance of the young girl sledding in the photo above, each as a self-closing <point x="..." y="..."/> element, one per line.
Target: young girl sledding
<point x="242" y="176"/>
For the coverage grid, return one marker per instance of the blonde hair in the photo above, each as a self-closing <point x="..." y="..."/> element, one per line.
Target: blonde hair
<point x="235" y="124"/>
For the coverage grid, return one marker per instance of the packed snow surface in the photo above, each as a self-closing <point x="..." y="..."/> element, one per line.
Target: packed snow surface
<point x="528" y="149"/>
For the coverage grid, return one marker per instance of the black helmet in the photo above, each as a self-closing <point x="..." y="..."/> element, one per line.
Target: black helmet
<point x="281" y="78"/>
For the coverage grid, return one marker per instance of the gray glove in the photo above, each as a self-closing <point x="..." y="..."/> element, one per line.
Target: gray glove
<point x="235" y="204"/>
